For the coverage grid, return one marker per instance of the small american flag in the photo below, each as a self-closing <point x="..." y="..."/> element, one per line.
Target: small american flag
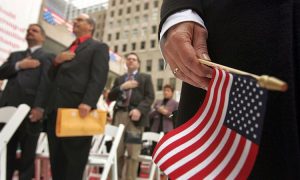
<point x="221" y="141"/>
<point x="53" y="18"/>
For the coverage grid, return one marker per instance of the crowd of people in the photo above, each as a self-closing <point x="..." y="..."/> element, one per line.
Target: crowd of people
<point x="75" y="78"/>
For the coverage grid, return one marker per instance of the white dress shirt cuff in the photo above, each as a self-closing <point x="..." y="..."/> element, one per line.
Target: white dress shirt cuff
<point x="182" y="16"/>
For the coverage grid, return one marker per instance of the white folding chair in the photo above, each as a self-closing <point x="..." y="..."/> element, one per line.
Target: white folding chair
<point x="42" y="158"/>
<point x="148" y="138"/>
<point x="99" y="157"/>
<point x="12" y="117"/>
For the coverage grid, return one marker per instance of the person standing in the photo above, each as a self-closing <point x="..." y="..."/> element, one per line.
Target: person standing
<point x="78" y="77"/>
<point x="134" y="95"/>
<point x="26" y="72"/>
<point x="160" y="117"/>
<point x="260" y="37"/>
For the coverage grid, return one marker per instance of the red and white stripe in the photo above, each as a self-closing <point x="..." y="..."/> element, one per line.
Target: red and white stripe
<point x="203" y="148"/>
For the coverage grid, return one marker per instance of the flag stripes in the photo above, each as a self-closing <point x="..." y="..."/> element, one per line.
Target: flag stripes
<point x="205" y="148"/>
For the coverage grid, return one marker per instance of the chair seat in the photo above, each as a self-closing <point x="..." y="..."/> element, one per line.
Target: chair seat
<point x="97" y="159"/>
<point x="145" y="158"/>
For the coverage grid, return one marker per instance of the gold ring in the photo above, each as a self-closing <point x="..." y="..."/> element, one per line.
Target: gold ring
<point x="175" y="70"/>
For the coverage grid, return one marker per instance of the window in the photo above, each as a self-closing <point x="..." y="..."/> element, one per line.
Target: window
<point x="153" y="29"/>
<point x="145" y="18"/>
<point x="117" y="35"/>
<point x="161" y="64"/>
<point x="137" y="8"/>
<point x="146" y="6"/>
<point x="143" y="44"/>
<point x="121" y="1"/>
<point x="156" y="4"/>
<point x="127" y="22"/>
<point x="144" y="32"/>
<point x="112" y="13"/>
<point x="152" y="42"/>
<point x="120" y="12"/>
<point x="135" y="33"/>
<point x="133" y="46"/>
<point x="125" y="35"/>
<point x="109" y="37"/>
<point x="113" y="3"/>
<point x="159" y="85"/>
<point x="116" y="48"/>
<point x="149" y="65"/>
<point x="137" y="19"/>
<point x="128" y="10"/>
<point x="124" y="49"/>
<point x="172" y="82"/>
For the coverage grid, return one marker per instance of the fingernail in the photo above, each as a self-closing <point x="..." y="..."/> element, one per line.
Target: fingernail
<point x="206" y="57"/>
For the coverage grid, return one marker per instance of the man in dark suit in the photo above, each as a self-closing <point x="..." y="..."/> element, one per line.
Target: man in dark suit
<point x="134" y="95"/>
<point x="261" y="37"/>
<point x="26" y="72"/>
<point x="78" y="77"/>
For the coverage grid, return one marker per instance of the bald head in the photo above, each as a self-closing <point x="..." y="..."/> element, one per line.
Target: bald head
<point x="83" y="25"/>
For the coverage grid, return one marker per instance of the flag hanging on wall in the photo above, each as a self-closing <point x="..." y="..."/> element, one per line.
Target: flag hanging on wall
<point x="53" y="18"/>
<point x="221" y="141"/>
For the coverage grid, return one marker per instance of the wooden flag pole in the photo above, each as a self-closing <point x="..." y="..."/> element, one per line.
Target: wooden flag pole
<point x="265" y="81"/>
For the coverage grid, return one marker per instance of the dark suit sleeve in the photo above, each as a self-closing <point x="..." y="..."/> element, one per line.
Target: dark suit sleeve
<point x="7" y="69"/>
<point x="43" y="87"/>
<point x="170" y="7"/>
<point x="115" y="92"/>
<point x="98" y="74"/>
<point x="145" y="105"/>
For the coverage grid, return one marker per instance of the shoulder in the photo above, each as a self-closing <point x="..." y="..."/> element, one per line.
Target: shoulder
<point x="144" y="75"/>
<point x="99" y="44"/>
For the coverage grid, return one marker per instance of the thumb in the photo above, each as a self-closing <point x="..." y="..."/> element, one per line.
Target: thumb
<point x="199" y="43"/>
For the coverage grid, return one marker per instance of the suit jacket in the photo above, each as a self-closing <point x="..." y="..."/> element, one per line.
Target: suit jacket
<point x="80" y="80"/>
<point x="26" y="86"/>
<point x="167" y="122"/>
<point x="260" y="37"/>
<point x="142" y="96"/>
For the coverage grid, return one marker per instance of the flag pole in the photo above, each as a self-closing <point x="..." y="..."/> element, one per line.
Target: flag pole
<point x="265" y="81"/>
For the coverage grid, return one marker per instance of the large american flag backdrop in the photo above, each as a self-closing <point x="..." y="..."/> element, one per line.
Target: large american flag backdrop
<point x="221" y="141"/>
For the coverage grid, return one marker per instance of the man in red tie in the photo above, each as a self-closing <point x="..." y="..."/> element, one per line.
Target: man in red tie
<point x="78" y="76"/>
<point x="134" y="95"/>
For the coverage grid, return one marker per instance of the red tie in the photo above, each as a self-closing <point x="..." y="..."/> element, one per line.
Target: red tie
<point x="74" y="45"/>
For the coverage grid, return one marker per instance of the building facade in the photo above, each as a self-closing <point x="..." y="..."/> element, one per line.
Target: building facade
<point x="132" y="25"/>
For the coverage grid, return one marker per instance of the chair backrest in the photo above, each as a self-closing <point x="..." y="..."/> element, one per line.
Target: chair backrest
<point x="13" y="118"/>
<point x="115" y="133"/>
<point x="42" y="148"/>
<point x="6" y="113"/>
<point x="148" y="138"/>
<point x="152" y="136"/>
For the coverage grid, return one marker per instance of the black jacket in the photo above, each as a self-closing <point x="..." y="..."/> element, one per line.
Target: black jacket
<point x="142" y="96"/>
<point x="260" y="37"/>
<point x="82" y="79"/>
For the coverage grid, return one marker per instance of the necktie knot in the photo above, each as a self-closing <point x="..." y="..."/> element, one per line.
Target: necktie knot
<point x="130" y="76"/>
<point x="28" y="52"/>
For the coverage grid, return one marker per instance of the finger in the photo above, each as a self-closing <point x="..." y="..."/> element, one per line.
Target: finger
<point x="200" y="42"/>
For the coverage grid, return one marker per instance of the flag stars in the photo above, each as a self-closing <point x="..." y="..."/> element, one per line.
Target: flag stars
<point x="244" y="108"/>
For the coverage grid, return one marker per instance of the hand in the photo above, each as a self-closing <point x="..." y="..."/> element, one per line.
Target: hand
<point x="84" y="110"/>
<point x="36" y="114"/>
<point x="135" y="115"/>
<point x="64" y="56"/>
<point x="129" y="84"/>
<point x="28" y="63"/>
<point x="184" y="44"/>
<point x="162" y="110"/>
